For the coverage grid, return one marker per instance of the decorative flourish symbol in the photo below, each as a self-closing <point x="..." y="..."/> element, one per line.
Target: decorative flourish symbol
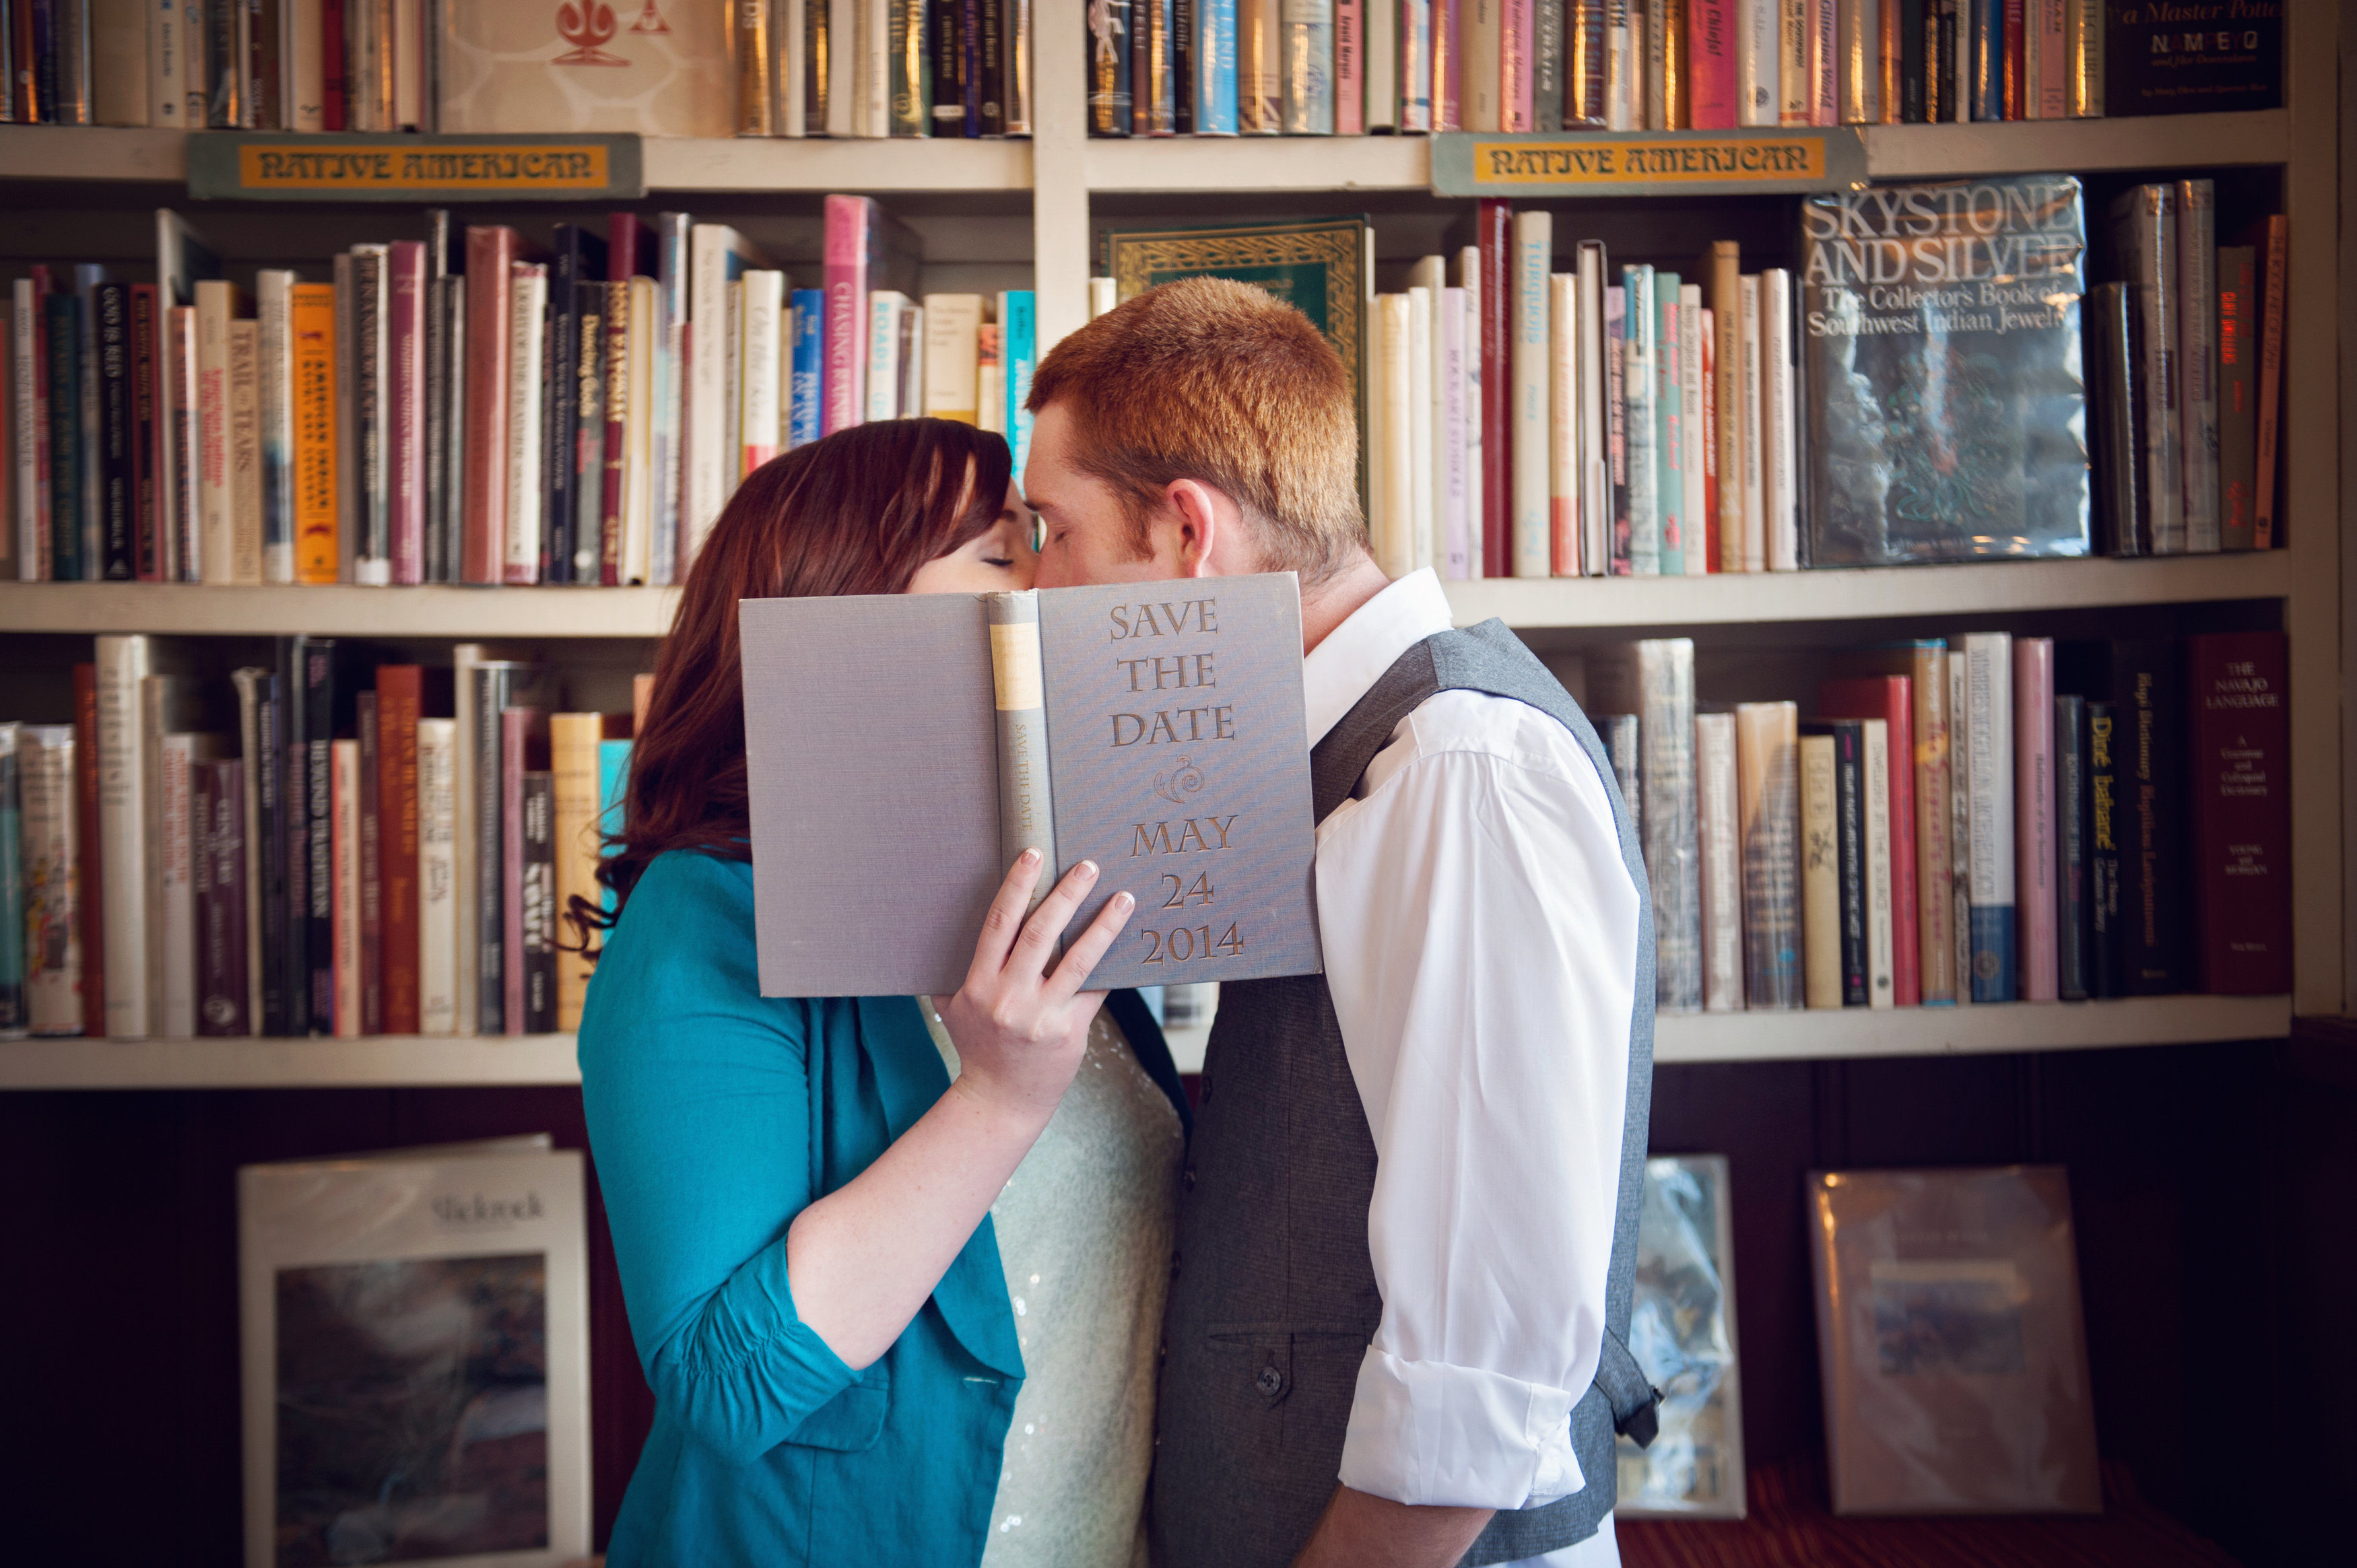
<point x="586" y="26"/>
<point x="1182" y="781"/>
<point x="651" y="20"/>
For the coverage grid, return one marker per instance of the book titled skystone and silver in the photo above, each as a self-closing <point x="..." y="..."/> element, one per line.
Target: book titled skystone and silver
<point x="1947" y="401"/>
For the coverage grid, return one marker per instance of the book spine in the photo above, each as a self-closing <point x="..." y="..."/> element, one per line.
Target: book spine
<point x="318" y="797"/>
<point x="375" y="415"/>
<point x="351" y="465"/>
<point x="1767" y="747"/>
<point x="1780" y="480"/>
<point x="1666" y="714"/>
<point x="1480" y="78"/>
<point x="2276" y="269"/>
<point x="2071" y="903"/>
<point x="1546" y="65"/>
<point x="1669" y="422"/>
<point x="1717" y="839"/>
<point x="1624" y="749"/>
<point x="273" y="397"/>
<point x="1308" y="43"/>
<point x="2108" y="320"/>
<point x="1849" y="836"/>
<point x="265" y="893"/>
<point x="1595" y="434"/>
<point x="1821" y="871"/>
<point x="30" y="432"/>
<point x="1694" y="522"/>
<point x="1988" y="717"/>
<point x="910" y="82"/>
<point x="613" y="486"/>
<point x="62" y="334"/>
<point x="2197" y="358"/>
<point x="1110" y="67"/>
<point x="749" y="41"/>
<point x="482" y="881"/>
<point x="1881" y="934"/>
<point x="317" y="548"/>
<point x="122" y="836"/>
<point x="1722" y="267"/>
<point x="1753" y="546"/>
<point x="117" y="513"/>
<point x="1391" y="473"/>
<point x="89" y="851"/>
<point x="1703" y="378"/>
<point x="883" y="308"/>
<point x="441" y="469"/>
<point x="1419" y="425"/>
<point x="55" y="875"/>
<point x="437" y="880"/>
<point x="1711" y="50"/>
<point x="217" y="534"/>
<point x="1985" y="97"/>
<point x="1563" y="429"/>
<point x="2238" y="424"/>
<point x="587" y="454"/>
<point x="222" y="993"/>
<point x="573" y="765"/>
<point x="182" y="550"/>
<point x="1183" y="27"/>
<point x="490" y="255"/>
<point x="513" y="728"/>
<point x="1351" y="64"/>
<point x="667" y="350"/>
<point x="173" y="891"/>
<point x="2083" y="65"/>
<point x="2035" y="833"/>
<point x="848" y="219"/>
<point x="1792" y="29"/>
<point x="1860" y="63"/>
<point x="1531" y="441"/>
<point x="1216" y="69"/>
<point x="639" y="470"/>
<point x="1616" y="428"/>
<point x="2149" y="681"/>
<point x="1935" y="940"/>
<point x="526" y="420"/>
<point x="1583" y="73"/>
<point x="399" y="691"/>
<point x="2106" y="829"/>
<point x="1916" y="24"/>
<point x="344" y="905"/>
<point x="369" y="723"/>
<point x="2242" y="825"/>
<point x="805" y="420"/>
<point x="1641" y="325"/>
<point x="246" y="525"/>
<point x="1026" y="813"/>
<point x="539" y="904"/>
<point x="145" y="436"/>
<point x="405" y="409"/>
<point x="1515" y="64"/>
<point x="2145" y="239"/>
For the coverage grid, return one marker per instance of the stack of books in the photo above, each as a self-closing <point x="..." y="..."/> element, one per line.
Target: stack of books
<point x="329" y="845"/>
<point x="1972" y="819"/>
<point x="454" y="408"/>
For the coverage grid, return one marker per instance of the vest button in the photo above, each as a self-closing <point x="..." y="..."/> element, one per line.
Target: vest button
<point x="1271" y="1381"/>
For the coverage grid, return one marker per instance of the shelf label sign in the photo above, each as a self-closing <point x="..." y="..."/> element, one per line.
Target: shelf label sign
<point x="1648" y="162"/>
<point x="270" y="167"/>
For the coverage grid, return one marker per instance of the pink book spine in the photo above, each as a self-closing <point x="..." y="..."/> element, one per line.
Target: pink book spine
<point x="1447" y="66"/>
<point x="1825" y="60"/>
<point x="1350" y="68"/>
<point x="1514" y="18"/>
<point x="515" y="724"/>
<point x="1712" y="24"/>
<point x="2035" y="833"/>
<point x="846" y="312"/>
<point x="406" y="261"/>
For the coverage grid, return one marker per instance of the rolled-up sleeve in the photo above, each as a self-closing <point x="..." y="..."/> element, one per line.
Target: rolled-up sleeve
<point x="1479" y="930"/>
<point x="698" y="1098"/>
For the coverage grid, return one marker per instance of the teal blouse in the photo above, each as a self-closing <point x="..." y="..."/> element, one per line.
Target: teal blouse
<point x="715" y="1115"/>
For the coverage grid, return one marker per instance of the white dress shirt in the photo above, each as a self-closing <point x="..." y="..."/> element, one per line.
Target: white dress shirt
<point x="1479" y="930"/>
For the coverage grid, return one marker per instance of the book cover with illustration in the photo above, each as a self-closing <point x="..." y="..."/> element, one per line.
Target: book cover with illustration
<point x="1945" y="397"/>
<point x="1681" y="1331"/>
<point x="656" y="67"/>
<point x="902" y="749"/>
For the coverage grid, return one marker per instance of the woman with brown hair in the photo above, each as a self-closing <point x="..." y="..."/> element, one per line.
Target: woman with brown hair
<point x="895" y="1273"/>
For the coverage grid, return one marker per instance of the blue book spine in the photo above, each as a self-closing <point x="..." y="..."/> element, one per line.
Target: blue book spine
<point x="1669" y="423"/>
<point x="1018" y="352"/>
<point x="808" y="394"/>
<point x="64" y="344"/>
<point x="12" y="1020"/>
<point x="1215" y="68"/>
<point x="613" y="791"/>
<point x="1988" y="59"/>
<point x="1993" y="952"/>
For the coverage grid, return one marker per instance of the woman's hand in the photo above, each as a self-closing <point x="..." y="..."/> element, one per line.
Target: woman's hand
<point x="1020" y="1031"/>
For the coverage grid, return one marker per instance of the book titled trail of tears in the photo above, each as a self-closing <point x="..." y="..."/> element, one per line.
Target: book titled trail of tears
<point x="902" y="749"/>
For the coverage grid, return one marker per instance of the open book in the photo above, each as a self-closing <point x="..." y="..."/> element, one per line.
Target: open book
<point x="903" y="749"/>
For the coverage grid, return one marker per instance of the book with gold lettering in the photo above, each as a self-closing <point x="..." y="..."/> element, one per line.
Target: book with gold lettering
<point x="657" y="68"/>
<point x="902" y="749"/>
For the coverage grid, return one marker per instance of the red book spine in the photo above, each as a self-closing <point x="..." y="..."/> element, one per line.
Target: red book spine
<point x="146" y="434"/>
<point x="1710" y="439"/>
<point x="1710" y="64"/>
<point x="1351" y="66"/>
<point x="334" y="86"/>
<point x="614" y="497"/>
<point x="1448" y="67"/>
<point x="406" y="262"/>
<point x="491" y="254"/>
<point x="2015" y="24"/>
<point x="2274" y="262"/>
<point x="629" y="247"/>
<point x="849" y="220"/>
<point x="1494" y="234"/>
<point x="89" y="879"/>
<point x="2242" y="811"/>
<point x="1891" y="698"/>
<point x="400" y="695"/>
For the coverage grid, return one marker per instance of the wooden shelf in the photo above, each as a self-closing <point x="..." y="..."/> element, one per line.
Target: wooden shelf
<point x="1719" y="600"/>
<point x="416" y="1061"/>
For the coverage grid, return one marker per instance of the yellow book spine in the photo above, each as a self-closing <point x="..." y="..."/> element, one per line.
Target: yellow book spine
<point x="573" y="760"/>
<point x="317" y="557"/>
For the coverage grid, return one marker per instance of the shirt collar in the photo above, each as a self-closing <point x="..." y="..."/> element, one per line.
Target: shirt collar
<point x="1346" y="665"/>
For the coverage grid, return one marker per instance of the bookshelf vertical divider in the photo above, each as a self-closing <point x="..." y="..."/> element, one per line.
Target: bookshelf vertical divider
<point x="1060" y="187"/>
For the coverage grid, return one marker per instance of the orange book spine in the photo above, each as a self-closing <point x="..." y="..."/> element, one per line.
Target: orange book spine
<point x="318" y="557"/>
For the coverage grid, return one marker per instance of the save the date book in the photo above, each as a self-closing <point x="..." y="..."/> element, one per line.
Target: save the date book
<point x="902" y="749"/>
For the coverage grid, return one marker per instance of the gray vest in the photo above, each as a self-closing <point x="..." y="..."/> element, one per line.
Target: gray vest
<point x="1273" y="1299"/>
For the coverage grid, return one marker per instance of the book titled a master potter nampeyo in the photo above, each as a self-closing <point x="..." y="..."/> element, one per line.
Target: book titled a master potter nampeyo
<point x="902" y="749"/>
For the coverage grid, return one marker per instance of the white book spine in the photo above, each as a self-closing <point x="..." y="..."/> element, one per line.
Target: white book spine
<point x="708" y="316"/>
<point x="273" y="304"/>
<point x="1595" y="452"/>
<point x="791" y="97"/>
<point x="1692" y="393"/>
<point x="193" y="78"/>
<point x="1722" y="862"/>
<point x="952" y="339"/>
<point x="527" y="349"/>
<point x="123" y="841"/>
<point x="1960" y="817"/>
<point x="883" y="308"/>
<point x="1756" y="76"/>
<point x="1412" y="65"/>
<point x="167" y="93"/>
<point x="1394" y="532"/>
<point x="761" y="343"/>
<point x="344" y="838"/>
<point x="245" y="452"/>
<point x="638" y="470"/>
<point x="872" y="98"/>
<point x="2197" y="358"/>
<point x="1420" y="428"/>
<point x="1431" y="274"/>
<point x="306" y="96"/>
<point x="1468" y="279"/>
<point x="842" y="28"/>
<point x="1873" y="783"/>
<point x="465" y="940"/>
<point x="1453" y="526"/>
<point x="175" y="853"/>
<point x="53" y="890"/>
<point x="437" y="876"/>
<point x="1563" y="425"/>
<point x="911" y="399"/>
<point x="1478" y="104"/>
<point x="1988" y="658"/>
<point x="1382" y="64"/>
<point x="28" y="429"/>
<point x="1755" y="461"/>
<point x="732" y="388"/>
<point x="216" y="524"/>
<point x="1637" y="423"/>
<point x="1624" y="81"/>
<point x="1782" y="480"/>
<point x="1793" y="63"/>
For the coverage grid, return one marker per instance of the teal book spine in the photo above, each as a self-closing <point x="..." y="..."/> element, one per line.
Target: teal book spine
<point x="1019" y="347"/>
<point x="613" y="792"/>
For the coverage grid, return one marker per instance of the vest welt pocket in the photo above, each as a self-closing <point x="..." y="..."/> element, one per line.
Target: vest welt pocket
<point x="1267" y="1360"/>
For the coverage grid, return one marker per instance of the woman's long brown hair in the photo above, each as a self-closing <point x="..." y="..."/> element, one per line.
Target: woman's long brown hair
<point x="855" y="513"/>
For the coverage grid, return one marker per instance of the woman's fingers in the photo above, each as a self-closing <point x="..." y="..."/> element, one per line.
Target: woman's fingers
<point x="1004" y="923"/>
<point x="1081" y="957"/>
<point x="1049" y="921"/>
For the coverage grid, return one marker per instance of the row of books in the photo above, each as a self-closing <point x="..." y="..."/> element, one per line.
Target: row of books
<point x="939" y="68"/>
<point x="325" y="846"/>
<point x="454" y="408"/>
<point x="1974" y="820"/>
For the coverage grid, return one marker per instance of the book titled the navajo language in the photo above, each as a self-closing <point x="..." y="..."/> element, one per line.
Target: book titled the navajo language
<point x="1946" y="403"/>
<point x="902" y="750"/>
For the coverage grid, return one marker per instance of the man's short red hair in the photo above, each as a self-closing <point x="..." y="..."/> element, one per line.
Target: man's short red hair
<point x="1215" y="381"/>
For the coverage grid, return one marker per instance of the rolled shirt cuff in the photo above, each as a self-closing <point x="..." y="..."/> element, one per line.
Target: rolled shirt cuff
<point x="1438" y="1436"/>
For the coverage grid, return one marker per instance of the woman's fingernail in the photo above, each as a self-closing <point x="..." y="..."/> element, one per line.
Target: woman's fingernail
<point x="1088" y="868"/>
<point x="1121" y="903"/>
<point x="1029" y="857"/>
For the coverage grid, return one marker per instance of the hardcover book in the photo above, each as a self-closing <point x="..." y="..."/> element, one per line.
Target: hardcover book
<point x="2242" y="817"/>
<point x="1953" y="1361"/>
<point x="1945" y="402"/>
<point x="1681" y="1329"/>
<point x="415" y="1333"/>
<point x="2154" y="63"/>
<point x="660" y="70"/>
<point x="1162" y="739"/>
<point x="1654" y="680"/>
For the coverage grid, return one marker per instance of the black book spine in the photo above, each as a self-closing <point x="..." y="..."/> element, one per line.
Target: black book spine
<point x="811" y="62"/>
<point x="1182" y="67"/>
<point x="224" y="106"/>
<point x="270" y="854"/>
<point x="969" y="68"/>
<point x="1911" y="61"/>
<point x="2155" y="901"/>
<point x="945" y="37"/>
<point x="1547" y="48"/>
<point x="490" y="698"/>
<point x="2071" y="926"/>
<point x="991" y="57"/>
<point x="1108" y="45"/>
<point x="437" y="422"/>
<point x="2104" y="824"/>
<point x="562" y="414"/>
<point x="118" y="530"/>
<point x="64" y="323"/>
<point x="320" y="906"/>
<point x="1940" y="60"/>
<point x="371" y="827"/>
<point x="369" y="423"/>
<point x="1849" y="833"/>
<point x="1144" y="19"/>
<point x="539" y="902"/>
<point x="295" y="819"/>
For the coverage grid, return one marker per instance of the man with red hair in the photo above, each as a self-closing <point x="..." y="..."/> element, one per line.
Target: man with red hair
<point x="1406" y="1233"/>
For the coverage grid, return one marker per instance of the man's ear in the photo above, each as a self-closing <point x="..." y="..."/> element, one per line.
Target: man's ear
<point x="1206" y="521"/>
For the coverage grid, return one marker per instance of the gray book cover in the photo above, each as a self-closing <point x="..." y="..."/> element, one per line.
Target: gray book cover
<point x="1178" y="761"/>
